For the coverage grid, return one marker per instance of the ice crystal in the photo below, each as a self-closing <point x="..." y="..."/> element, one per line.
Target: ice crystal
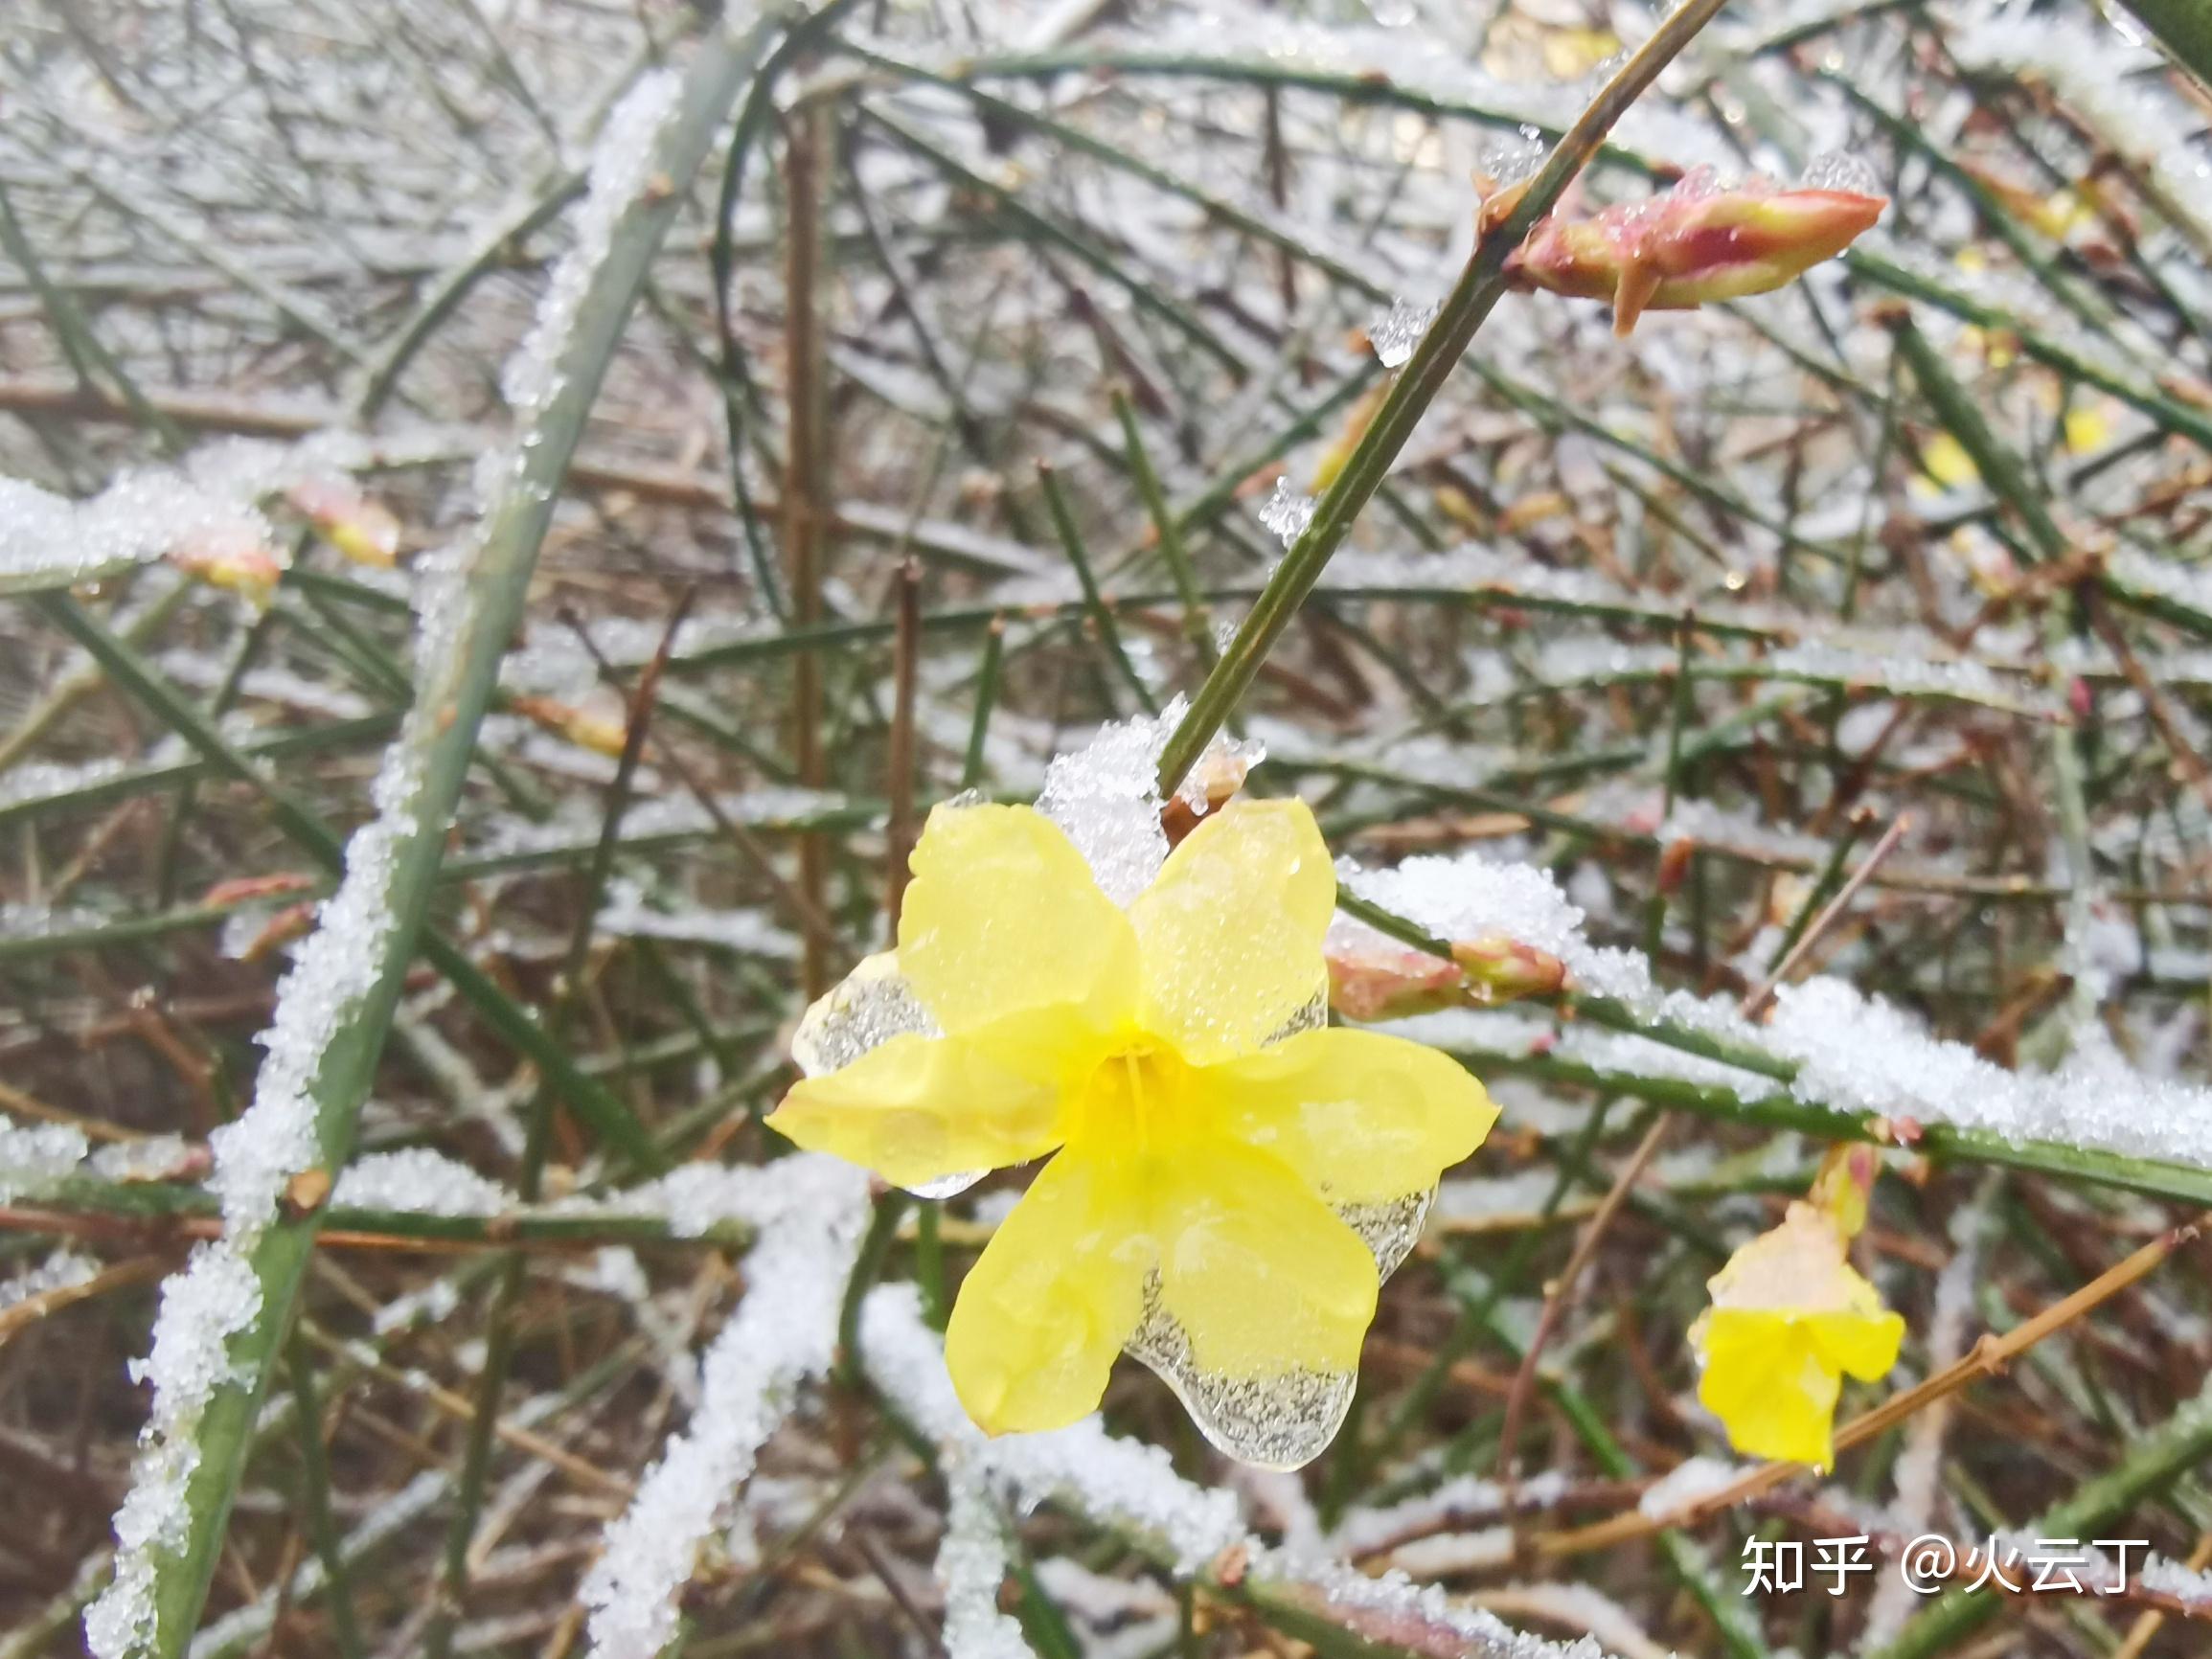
<point x="1395" y="332"/>
<point x="63" y="1270"/>
<point x="1105" y="795"/>
<point x="1287" y="513"/>
<point x="972" y="1563"/>
<point x="809" y="1210"/>
<point x="32" y="1160"/>
<point x="421" y="1182"/>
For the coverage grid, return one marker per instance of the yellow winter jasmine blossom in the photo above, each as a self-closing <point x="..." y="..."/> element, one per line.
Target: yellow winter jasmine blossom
<point x="1789" y="1316"/>
<point x="1207" y="1144"/>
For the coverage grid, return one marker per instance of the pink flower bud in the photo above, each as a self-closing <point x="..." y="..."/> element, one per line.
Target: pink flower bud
<point x="245" y="566"/>
<point x="1691" y="243"/>
<point x="357" y="525"/>
<point x="1503" y="969"/>
<point x="1387" y="981"/>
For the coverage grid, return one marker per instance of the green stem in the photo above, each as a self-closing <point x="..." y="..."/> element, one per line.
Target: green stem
<point x="453" y="690"/>
<point x="1473" y="298"/>
<point x="2154" y="1460"/>
<point x="2183" y="28"/>
<point x="315" y="1482"/>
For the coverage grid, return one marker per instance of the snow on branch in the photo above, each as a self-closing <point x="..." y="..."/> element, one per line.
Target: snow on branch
<point x="2112" y="85"/>
<point x="1132" y="1487"/>
<point x="809" y="1210"/>
<point x="201" y="511"/>
<point x="972" y="1564"/>
<point x="1841" y="1049"/>
<point x="334" y="1004"/>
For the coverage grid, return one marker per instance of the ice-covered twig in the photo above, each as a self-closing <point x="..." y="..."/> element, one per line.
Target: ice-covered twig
<point x="1197" y="1533"/>
<point x="1480" y="285"/>
<point x="221" y="1322"/>
<point x="810" y="1212"/>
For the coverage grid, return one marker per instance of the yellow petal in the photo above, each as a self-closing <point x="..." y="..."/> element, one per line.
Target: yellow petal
<point x="1358" y="1116"/>
<point x="1229" y="934"/>
<point x="1264" y="1278"/>
<point x="1764" y="1381"/>
<point x="1003" y="916"/>
<point x="1057" y="1292"/>
<point x="2087" y="430"/>
<point x="1944" y="458"/>
<point x="1864" y="1344"/>
<point x="916" y="1108"/>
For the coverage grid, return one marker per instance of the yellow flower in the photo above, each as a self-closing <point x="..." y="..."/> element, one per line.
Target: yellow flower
<point x="1789" y="1316"/>
<point x="1228" y="1182"/>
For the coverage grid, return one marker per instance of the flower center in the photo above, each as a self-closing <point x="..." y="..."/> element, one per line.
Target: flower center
<point x="1134" y="1101"/>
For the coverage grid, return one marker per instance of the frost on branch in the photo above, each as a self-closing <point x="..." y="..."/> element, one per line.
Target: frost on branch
<point x="34" y="1159"/>
<point x="346" y="963"/>
<point x="202" y="514"/>
<point x="810" y="1212"/>
<point x="64" y="1269"/>
<point x="1132" y="1489"/>
<point x="972" y="1564"/>
<point x="1852" y="1051"/>
<point x="420" y="1182"/>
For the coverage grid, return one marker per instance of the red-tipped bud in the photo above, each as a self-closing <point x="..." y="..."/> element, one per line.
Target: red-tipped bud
<point x="1218" y="776"/>
<point x="241" y="889"/>
<point x="1691" y="243"/>
<point x="1386" y="981"/>
<point x="245" y="566"/>
<point x="1502" y="969"/>
<point x="357" y="526"/>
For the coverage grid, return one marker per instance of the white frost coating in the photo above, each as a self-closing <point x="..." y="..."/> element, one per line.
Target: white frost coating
<point x="148" y="512"/>
<point x="1105" y="795"/>
<point x="63" y="1270"/>
<point x="1395" y="332"/>
<point x="1933" y="675"/>
<point x="1287" y="513"/>
<point x="1117" y="1481"/>
<point x="1132" y="1487"/>
<point x="1857" y="1053"/>
<point x="2106" y="81"/>
<point x="151" y="1158"/>
<point x="1854" y="1053"/>
<point x="693" y="1199"/>
<point x="784" y="1334"/>
<point x="620" y="170"/>
<point x="2185" y="585"/>
<point x="972" y="1564"/>
<point x="32" y="1159"/>
<point x="1462" y="1499"/>
<point x="1468" y="896"/>
<point x="215" y="1297"/>
<point x="48" y="541"/>
<point x="420" y="1182"/>
<point x="1688" y="1482"/>
<point x="2176" y="1578"/>
<point x="626" y="913"/>
<point x="1465" y="897"/>
<point x="342" y="962"/>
